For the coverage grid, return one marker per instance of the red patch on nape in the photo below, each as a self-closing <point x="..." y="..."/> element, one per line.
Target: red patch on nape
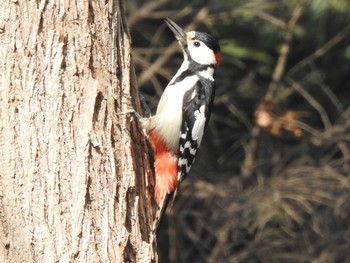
<point x="165" y="167"/>
<point x="217" y="57"/>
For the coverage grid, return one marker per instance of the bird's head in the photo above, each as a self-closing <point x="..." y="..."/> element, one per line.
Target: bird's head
<point x="201" y="47"/>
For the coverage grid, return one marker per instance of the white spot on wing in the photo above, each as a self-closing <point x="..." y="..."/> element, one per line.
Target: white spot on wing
<point x="198" y="127"/>
<point x="182" y="161"/>
<point x="187" y="145"/>
<point x="193" y="94"/>
<point x="193" y="151"/>
<point x="183" y="136"/>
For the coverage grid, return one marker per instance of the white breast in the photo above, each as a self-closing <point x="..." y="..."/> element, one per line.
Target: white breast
<point x="168" y="118"/>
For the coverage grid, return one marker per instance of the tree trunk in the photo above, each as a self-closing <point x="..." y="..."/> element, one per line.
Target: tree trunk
<point x="74" y="172"/>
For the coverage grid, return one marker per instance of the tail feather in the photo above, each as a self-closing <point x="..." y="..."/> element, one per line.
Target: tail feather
<point x="161" y="212"/>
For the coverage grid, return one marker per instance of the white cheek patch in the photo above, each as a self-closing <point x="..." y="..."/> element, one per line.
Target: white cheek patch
<point x="198" y="126"/>
<point x="202" y="54"/>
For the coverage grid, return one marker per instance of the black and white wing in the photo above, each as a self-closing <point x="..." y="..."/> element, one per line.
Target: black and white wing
<point x="197" y="106"/>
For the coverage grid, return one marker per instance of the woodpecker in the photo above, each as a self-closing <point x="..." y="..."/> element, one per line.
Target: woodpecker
<point x="176" y="130"/>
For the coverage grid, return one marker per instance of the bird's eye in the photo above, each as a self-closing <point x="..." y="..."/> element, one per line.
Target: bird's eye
<point x="196" y="43"/>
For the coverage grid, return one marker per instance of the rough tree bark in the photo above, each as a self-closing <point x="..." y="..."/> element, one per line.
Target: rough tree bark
<point x="72" y="181"/>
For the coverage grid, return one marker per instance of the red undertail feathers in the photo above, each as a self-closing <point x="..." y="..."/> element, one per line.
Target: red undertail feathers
<point x="165" y="167"/>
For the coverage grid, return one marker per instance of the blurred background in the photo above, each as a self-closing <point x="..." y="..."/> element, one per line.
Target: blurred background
<point x="271" y="182"/>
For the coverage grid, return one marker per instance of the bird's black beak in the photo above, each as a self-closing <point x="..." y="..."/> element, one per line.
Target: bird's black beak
<point x="179" y="33"/>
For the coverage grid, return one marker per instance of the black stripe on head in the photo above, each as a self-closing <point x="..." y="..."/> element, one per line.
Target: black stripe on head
<point x="193" y="68"/>
<point x="209" y="40"/>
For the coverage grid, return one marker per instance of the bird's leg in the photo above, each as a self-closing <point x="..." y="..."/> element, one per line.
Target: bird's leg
<point x="144" y="122"/>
